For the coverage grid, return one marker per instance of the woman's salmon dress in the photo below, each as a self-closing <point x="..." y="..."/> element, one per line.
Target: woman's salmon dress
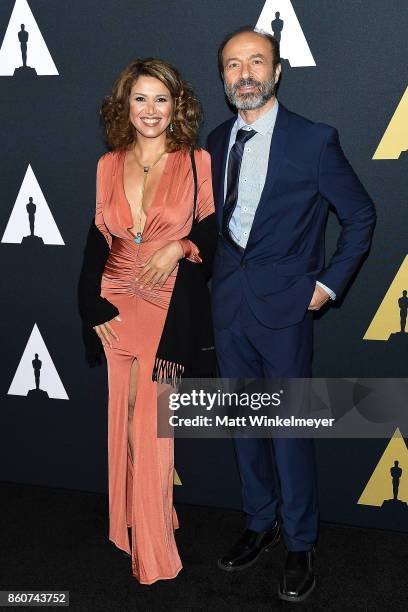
<point x="141" y="491"/>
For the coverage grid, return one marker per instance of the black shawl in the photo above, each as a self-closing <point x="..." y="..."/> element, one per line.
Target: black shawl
<point x="186" y="347"/>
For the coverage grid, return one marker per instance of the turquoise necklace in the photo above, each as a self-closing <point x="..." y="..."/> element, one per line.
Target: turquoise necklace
<point x="138" y="237"/>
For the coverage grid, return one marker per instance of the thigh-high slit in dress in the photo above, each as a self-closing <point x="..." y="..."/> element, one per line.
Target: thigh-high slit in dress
<point x="141" y="490"/>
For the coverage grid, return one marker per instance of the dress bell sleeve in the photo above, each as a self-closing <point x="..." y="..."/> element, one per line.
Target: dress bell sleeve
<point x="205" y="203"/>
<point x="93" y="308"/>
<point x="101" y="193"/>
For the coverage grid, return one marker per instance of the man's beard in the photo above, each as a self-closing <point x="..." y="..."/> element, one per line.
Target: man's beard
<point x="250" y="101"/>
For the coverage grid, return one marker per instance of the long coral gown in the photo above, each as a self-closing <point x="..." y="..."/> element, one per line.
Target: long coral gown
<point x="141" y="491"/>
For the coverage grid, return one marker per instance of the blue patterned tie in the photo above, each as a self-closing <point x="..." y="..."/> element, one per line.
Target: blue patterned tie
<point x="234" y="167"/>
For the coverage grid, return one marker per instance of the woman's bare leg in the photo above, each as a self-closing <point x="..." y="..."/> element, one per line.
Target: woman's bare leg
<point x="131" y="402"/>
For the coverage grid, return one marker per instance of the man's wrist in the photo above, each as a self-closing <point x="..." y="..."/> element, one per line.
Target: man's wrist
<point x="331" y="293"/>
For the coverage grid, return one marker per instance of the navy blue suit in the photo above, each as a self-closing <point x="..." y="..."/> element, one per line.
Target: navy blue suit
<point x="260" y="298"/>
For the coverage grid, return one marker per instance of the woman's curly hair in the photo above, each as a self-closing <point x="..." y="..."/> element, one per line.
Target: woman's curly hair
<point x="120" y="132"/>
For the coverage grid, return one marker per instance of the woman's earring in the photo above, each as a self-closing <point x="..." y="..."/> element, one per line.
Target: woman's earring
<point x="171" y="128"/>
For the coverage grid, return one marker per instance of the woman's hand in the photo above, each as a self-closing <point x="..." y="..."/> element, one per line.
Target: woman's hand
<point x="105" y="331"/>
<point x="159" y="267"/>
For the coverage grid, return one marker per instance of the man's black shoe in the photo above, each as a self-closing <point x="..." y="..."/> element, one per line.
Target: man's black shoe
<point x="298" y="579"/>
<point x="248" y="548"/>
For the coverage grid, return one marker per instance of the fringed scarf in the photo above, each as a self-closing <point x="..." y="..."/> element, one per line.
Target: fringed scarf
<point x="186" y="348"/>
<point x="168" y="372"/>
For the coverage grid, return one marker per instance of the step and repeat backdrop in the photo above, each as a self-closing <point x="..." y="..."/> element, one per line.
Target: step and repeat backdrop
<point x="344" y="63"/>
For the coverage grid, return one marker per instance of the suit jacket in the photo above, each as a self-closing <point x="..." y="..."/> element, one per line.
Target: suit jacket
<point x="285" y="252"/>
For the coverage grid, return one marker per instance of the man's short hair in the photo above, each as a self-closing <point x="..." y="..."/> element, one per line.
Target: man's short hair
<point x="272" y="40"/>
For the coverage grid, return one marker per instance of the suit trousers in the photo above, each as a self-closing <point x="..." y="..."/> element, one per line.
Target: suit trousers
<point x="278" y="475"/>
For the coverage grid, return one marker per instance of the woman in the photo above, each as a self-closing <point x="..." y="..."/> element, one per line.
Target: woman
<point x="141" y="287"/>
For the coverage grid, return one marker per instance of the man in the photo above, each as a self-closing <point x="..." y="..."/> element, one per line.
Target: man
<point x="273" y="173"/>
